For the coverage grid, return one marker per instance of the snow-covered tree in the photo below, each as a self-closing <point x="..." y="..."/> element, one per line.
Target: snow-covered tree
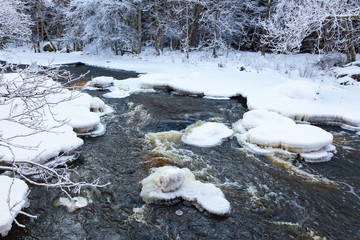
<point x="103" y="24"/>
<point x="14" y="23"/>
<point x="331" y="21"/>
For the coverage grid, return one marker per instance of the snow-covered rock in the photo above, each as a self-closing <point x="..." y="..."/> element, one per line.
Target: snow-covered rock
<point x="168" y="183"/>
<point x="206" y="134"/>
<point x="13" y="194"/>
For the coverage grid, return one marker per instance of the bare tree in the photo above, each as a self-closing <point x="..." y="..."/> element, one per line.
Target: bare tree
<point x="330" y="20"/>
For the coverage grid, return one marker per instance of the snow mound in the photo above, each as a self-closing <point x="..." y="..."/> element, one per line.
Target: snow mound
<point x="14" y="190"/>
<point x="207" y="134"/>
<point x="313" y="143"/>
<point x="168" y="183"/>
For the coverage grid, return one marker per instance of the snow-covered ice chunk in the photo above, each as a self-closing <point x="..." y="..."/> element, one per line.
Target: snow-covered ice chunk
<point x="14" y="190"/>
<point x="207" y="134"/>
<point x="171" y="180"/>
<point x="280" y="132"/>
<point x="181" y="183"/>
<point x="72" y="204"/>
<point x="100" y="82"/>
<point x="295" y="138"/>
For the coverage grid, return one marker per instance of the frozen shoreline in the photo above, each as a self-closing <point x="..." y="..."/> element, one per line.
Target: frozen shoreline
<point x="288" y="84"/>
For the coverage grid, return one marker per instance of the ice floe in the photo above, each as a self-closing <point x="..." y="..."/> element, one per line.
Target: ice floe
<point x="168" y="183"/>
<point x="13" y="193"/>
<point x="311" y="142"/>
<point x="206" y="134"/>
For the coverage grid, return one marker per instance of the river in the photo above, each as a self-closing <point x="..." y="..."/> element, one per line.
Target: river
<point x="271" y="197"/>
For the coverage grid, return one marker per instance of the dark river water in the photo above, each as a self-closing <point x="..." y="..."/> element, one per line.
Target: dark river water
<point x="271" y="197"/>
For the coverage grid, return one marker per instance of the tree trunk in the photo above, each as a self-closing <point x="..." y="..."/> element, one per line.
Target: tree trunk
<point x="187" y="30"/>
<point x="263" y="47"/>
<point x="48" y="36"/>
<point x="139" y="27"/>
<point x="350" y="41"/>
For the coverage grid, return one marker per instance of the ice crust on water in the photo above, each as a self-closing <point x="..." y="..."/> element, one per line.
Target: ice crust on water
<point x="18" y="191"/>
<point x="207" y="134"/>
<point x="168" y="183"/>
<point x="312" y="142"/>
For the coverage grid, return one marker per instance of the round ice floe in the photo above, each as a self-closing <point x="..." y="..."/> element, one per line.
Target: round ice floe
<point x="295" y="138"/>
<point x="260" y="117"/>
<point x="206" y="134"/>
<point x="168" y="183"/>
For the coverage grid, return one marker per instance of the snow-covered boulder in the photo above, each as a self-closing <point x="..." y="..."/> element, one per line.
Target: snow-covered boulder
<point x="207" y="134"/>
<point x="13" y="194"/>
<point x="271" y="130"/>
<point x="169" y="183"/>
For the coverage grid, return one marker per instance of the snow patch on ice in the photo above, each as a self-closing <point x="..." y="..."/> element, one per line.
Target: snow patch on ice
<point x="168" y="183"/>
<point x="13" y="194"/>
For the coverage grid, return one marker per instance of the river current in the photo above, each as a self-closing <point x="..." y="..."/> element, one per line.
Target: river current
<point x="271" y="197"/>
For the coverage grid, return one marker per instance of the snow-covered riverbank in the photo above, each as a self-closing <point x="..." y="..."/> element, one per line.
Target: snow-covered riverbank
<point x="291" y="85"/>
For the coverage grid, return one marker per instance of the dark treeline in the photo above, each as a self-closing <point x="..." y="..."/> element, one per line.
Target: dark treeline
<point x="283" y="26"/>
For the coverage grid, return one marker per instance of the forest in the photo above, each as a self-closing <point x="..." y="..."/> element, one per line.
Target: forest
<point x="129" y="26"/>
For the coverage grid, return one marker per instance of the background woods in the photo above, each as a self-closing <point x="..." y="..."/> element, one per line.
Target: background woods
<point x="129" y="25"/>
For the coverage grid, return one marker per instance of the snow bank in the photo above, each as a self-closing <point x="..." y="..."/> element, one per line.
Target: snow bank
<point x="313" y="143"/>
<point x="207" y="134"/>
<point x="60" y="114"/>
<point x="12" y="199"/>
<point x="275" y="82"/>
<point x="168" y="183"/>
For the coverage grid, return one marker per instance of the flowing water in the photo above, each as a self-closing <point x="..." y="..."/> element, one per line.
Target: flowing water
<point x="271" y="197"/>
